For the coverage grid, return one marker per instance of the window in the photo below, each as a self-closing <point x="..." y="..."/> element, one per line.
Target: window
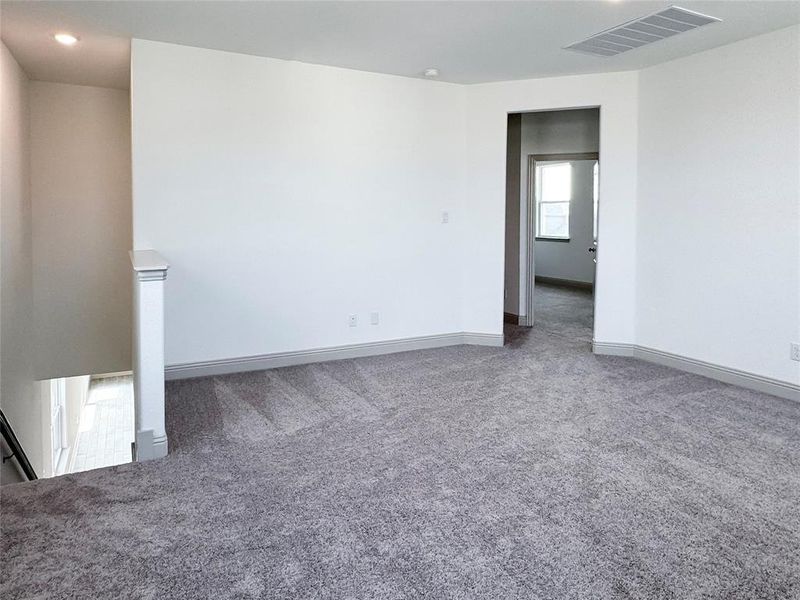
<point x="553" y="195"/>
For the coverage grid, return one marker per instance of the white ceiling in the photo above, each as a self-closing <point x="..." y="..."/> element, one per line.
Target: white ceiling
<point x="469" y="42"/>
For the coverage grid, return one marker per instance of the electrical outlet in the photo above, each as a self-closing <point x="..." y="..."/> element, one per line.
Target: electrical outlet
<point x="795" y="353"/>
<point x="374" y="318"/>
<point x="352" y="320"/>
<point x="445" y="217"/>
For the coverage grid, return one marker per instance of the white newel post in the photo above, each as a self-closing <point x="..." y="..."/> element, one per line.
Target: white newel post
<point x="149" y="274"/>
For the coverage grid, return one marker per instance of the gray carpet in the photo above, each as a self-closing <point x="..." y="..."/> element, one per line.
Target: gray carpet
<point x="537" y="470"/>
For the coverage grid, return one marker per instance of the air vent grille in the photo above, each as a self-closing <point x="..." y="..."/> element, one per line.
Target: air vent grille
<point x="649" y="29"/>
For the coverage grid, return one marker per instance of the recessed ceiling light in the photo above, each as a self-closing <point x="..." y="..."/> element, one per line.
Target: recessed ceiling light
<point x="431" y="72"/>
<point x="65" y="38"/>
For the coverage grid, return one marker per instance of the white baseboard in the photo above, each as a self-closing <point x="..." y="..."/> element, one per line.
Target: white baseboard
<point x="302" y="357"/>
<point x="149" y="446"/>
<point x="482" y="339"/>
<point x="745" y="379"/>
<point x="612" y="348"/>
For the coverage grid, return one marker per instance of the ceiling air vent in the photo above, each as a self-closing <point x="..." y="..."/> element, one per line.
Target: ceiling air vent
<point x="646" y="30"/>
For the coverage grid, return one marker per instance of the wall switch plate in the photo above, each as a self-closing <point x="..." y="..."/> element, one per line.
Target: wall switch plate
<point x="374" y="318"/>
<point x="352" y="320"/>
<point x="445" y="217"/>
<point x="795" y="352"/>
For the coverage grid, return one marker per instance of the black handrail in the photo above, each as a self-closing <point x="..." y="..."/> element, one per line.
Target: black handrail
<point x="16" y="448"/>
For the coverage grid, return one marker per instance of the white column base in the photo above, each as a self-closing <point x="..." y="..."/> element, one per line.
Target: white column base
<point x="149" y="447"/>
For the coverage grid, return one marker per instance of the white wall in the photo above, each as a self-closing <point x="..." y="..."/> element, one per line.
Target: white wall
<point x="81" y="194"/>
<point x="719" y="195"/>
<point x="561" y="132"/>
<point x="18" y="397"/>
<point x="287" y="196"/>
<point x="484" y="212"/>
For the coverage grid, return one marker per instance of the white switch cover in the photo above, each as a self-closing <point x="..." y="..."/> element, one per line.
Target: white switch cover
<point x="374" y="318"/>
<point x="445" y="216"/>
<point x="352" y="320"/>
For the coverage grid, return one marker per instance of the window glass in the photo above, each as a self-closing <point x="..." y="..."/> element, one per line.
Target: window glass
<point x="553" y="195"/>
<point x="557" y="182"/>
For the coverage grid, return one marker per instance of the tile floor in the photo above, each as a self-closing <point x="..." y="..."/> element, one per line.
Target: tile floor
<point x="106" y="427"/>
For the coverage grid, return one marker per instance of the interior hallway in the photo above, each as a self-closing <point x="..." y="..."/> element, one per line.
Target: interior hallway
<point x="529" y="471"/>
<point x="105" y="431"/>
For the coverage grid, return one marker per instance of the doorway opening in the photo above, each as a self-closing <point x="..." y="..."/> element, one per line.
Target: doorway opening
<point x="106" y="431"/>
<point x="87" y="423"/>
<point x="552" y="205"/>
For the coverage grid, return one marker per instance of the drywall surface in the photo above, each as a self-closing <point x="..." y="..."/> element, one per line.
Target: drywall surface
<point x="288" y="196"/>
<point x="18" y="397"/>
<point x="512" y="255"/>
<point x="81" y="195"/>
<point x="719" y="195"/>
<point x="483" y="215"/>
<point x="561" y="132"/>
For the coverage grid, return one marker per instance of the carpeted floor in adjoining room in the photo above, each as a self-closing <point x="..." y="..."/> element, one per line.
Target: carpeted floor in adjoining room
<point x="537" y="470"/>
